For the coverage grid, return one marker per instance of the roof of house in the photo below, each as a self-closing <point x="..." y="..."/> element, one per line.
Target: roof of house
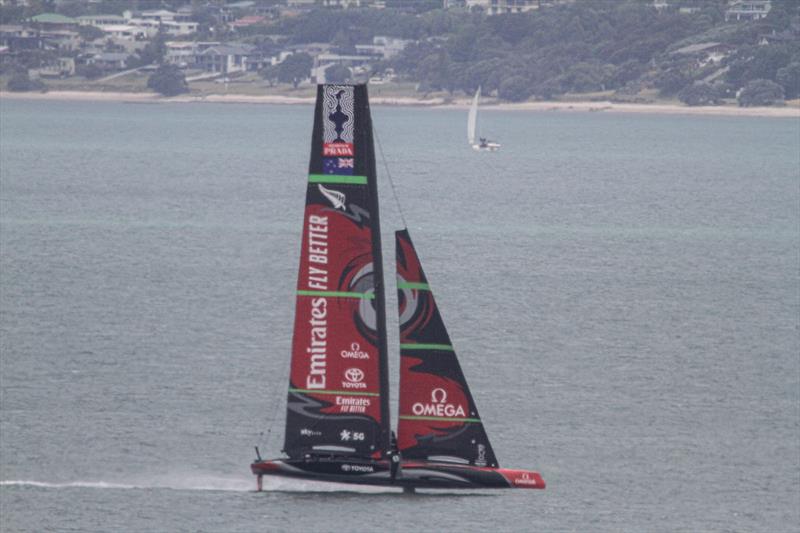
<point x="229" y="50"/>
<point x="694" y="48"/>
<point x="157" y="12"/>
<point x="53" y="18"/>
<point x="241" y="5"/>
<point x="111" y="56"/>
<point x="95" y="17"/>
<point x="249" y="20"/>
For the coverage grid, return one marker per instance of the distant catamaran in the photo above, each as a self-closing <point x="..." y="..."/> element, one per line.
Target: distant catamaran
<point x="337" y="421"/>
<point x="477" y="142"/>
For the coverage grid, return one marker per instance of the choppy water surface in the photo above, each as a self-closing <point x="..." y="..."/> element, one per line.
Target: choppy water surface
<point x="622" y="290"/>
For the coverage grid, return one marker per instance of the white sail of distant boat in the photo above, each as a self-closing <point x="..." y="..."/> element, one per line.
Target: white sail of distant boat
<point x="477" y="142"/>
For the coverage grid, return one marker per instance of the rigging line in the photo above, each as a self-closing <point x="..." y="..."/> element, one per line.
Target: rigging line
<point x="276" y="402"/>
<point x="389" y="175"/>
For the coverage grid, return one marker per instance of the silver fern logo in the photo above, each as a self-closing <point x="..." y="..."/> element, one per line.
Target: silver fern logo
<point x="336" y="198"/>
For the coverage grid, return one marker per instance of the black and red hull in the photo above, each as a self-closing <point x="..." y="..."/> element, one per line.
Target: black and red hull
<point x="411" y="474"/>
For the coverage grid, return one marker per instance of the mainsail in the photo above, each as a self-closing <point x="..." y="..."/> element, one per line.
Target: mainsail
<point x="438" y="417"/>
<point x="338" y="387"/>
<point x="472" y="118"/>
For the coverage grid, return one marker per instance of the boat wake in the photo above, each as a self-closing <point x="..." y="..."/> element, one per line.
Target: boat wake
<point x="73" y="484"/>
<point x="210" y="483"/>
<point x="215" y="483"/>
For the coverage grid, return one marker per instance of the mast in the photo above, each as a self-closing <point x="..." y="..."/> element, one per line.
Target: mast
<point x="380" y="285"/>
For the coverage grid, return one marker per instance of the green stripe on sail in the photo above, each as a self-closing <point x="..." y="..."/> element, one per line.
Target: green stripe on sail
<point x="339" y="294"/>
<point x="421" y="346"/>
<point x="413" y="285"/>
<point x="441" y="418"/>
<point x="335" y="178"/>
<point x="340" y="392"/>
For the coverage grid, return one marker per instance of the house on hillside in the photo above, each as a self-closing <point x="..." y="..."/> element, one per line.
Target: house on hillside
<point x="705" y="53"/>
<point x="54" y="21"/>
<point x="109" y="61"/>
<point x="747" y="10"/>
<point x="501" y="7"/>
<point x="249" y="20"/>
<point x="157" y="15"/>
<point x="62" y="40"/>
<point x="17" y="37"/>
<point x="126" y="37"/>
<point x="181" y="53"/>
<point x="383" y="47"/>
<point x="60" y="67"/>
<point x="231" y="58"/>
<point x="180" y="27"/>
<point x="101" y="20"/>
<point x="186" y="53"/>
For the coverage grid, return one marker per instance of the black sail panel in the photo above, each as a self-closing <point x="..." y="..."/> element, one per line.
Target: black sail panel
<point x="438" y="418"/>
<point x="338" y="386"/>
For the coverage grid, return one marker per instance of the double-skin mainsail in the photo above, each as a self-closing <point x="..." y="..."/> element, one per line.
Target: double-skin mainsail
<point x="338" y="387"/>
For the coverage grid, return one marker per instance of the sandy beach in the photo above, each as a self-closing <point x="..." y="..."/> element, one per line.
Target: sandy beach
<point x="586" y="106"/>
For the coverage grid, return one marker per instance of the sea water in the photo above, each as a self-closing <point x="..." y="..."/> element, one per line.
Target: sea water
<point x="622" y="291"/>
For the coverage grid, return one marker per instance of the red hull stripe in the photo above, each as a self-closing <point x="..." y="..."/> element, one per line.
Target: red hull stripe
<point x="335" y="178"/>
<point x="338" y="294"/>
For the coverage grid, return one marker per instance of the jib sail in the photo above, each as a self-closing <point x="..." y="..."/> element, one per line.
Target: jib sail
<point x="338" y="388"/>
<point x="438" y="417"/>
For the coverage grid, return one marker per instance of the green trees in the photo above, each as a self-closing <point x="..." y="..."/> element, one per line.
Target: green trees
<point x="576" y="47"/>
<point x="699" y="93"/>
<point x="270" y="74"/>
<point x="21" y="82"/>
<point x="295" y="69"/>
<point x="337" y="74"/>
<point x="789" y="78"/>
<point x="90" y="72"/>
<point x="757" y="62"/>
<point x="168" y="80"/>
<point x="760" y="92"/>
<point x="515" y="89"/>
<point x="153" y="52"/>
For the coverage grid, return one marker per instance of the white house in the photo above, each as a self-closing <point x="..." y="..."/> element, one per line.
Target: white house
<point x="384" y="47"/>
<point x="499" y="7"/>
<point x="747" y="10"/>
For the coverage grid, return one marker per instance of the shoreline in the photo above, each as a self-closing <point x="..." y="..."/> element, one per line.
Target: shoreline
<point x="437" y="103"/>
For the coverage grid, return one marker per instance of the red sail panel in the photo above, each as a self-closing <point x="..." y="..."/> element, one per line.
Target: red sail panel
<point x="438" y="417"/>
<point x="337" y="394"/>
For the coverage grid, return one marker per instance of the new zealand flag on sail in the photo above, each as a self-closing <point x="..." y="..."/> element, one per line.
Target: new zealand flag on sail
<point x="343" y="166"/>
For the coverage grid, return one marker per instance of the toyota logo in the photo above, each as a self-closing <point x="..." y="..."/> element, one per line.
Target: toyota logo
<point x="354" y="375"/>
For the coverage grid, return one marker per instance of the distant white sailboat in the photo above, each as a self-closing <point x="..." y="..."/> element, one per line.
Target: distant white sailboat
<point x="477" y="142"/>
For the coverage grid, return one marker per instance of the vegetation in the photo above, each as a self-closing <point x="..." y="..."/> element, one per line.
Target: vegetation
<point x="337" y="74"/>
<point x="21" y="82"/>
<point x="90" y="72"/>
<point x="623" y="46"/>
<point x="168" y="80"/>
<point x="621" y="49"/>
<point x="294" y="69"/>
<point x="699" y="93"/>
<point x="761" y="92"/>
